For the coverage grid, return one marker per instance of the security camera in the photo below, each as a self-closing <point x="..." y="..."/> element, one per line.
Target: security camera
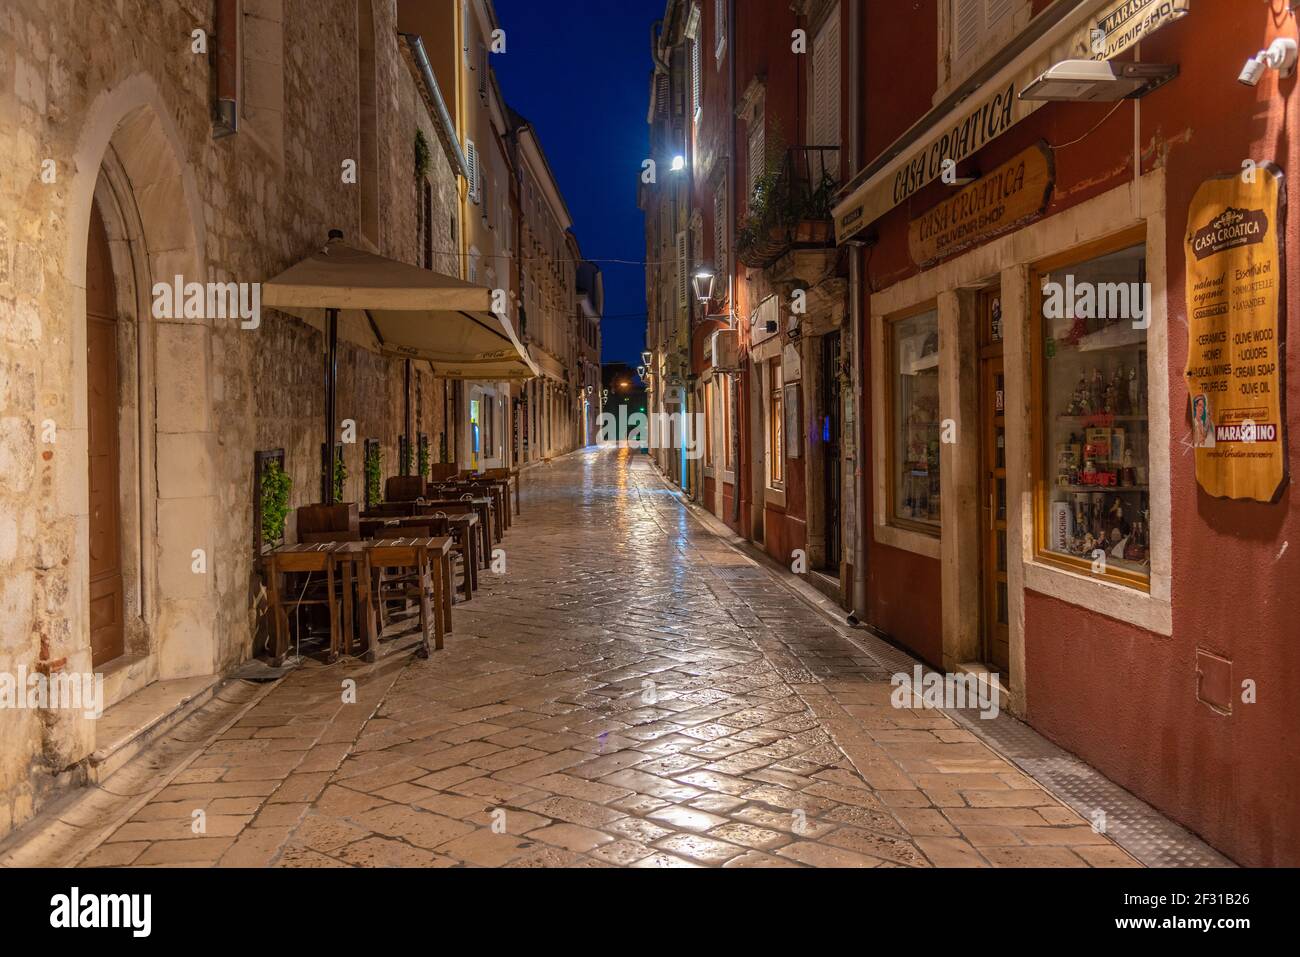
<point x="1280" y="56"/>
<point x="1253" y="71"/>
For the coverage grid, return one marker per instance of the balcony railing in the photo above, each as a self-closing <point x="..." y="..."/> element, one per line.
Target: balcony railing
<point x="791" y="206"/>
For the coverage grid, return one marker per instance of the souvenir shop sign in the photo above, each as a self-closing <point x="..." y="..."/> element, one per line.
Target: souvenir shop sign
<point x="1236" y="356"/>
<point x="1005" y="199"/>
<point x="1122" y="25"/>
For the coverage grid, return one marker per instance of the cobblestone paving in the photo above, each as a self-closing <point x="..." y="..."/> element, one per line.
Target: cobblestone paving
<point x="632" y="692"/>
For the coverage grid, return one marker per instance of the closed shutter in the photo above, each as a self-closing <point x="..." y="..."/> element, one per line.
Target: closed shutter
<point x="482" y="72"/>
<point x="720" y="265"/>
<point x="757" y="150"/>
<point x="662" y="92"/>
<point x="695" y="79"/>
<point x="826" y="83"/>
<point x="472" y="171"/>
<point x="967" y="27"/>
<point x="975" y="21"/>
<point x="997" y="11"/>
<point x="680" y="81"/>
<point x="697" y="234"/>
<point x="683" y="282"/>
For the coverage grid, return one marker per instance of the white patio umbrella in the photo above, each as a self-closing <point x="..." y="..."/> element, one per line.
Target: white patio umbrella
<point x="398" y="310"/>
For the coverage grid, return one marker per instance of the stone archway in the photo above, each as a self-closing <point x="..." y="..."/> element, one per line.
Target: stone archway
<point x="129" y="164"/>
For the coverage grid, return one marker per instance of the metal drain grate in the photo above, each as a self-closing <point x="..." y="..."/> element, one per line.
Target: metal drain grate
<point x="1130" y="822"/>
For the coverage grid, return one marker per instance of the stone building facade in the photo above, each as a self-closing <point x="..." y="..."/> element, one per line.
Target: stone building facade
<point x="107" y="121"/>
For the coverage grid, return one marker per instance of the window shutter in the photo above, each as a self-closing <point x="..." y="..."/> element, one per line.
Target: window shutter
<point x="661" y="95"/>
<point x="482" y="72"/>
<point x="757" y="150"/>
<point x="826" y="83"/>
<point x="683" y="282"/>
<point x="695" y="78"/>
<point x="967" y="27"/>
<point x="472" y="172"/>
<point x="721" y="267"/>
<point x="680" y="66"/>
<point x="997" y="11"/>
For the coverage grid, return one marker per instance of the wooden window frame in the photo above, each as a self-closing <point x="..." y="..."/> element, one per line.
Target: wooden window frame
<point x="774" y="387"/>
<point x="934" y="531"/>
<point x="1038" y="481"/>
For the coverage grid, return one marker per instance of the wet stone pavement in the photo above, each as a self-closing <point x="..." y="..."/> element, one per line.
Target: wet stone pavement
<point x="631" y="692"/>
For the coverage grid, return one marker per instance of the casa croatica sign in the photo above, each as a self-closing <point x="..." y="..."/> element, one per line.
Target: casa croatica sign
<point x="1007" y="198"/>
<point x="1236" y="355"/>
<point x="1111" y="30"/>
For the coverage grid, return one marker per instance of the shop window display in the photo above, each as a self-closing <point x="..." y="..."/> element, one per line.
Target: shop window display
<point x="915" y="356"/>
<point x="1094" y="428"/>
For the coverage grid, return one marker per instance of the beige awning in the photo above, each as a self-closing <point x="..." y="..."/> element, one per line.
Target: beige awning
<point x="403" y="311"/>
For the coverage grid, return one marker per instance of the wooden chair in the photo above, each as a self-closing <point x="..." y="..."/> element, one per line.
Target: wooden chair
<point x="410" y="554"/>
<point x="510" y="478"/>
<point x="397" y="583"/>
<point x="328" y="518"/>
<point x="441" y="471"/>
<point x="403" y="488"/>
<point x="319" y="588"/>
<point x="390" y="510"/>
<point x="318" y="538"/>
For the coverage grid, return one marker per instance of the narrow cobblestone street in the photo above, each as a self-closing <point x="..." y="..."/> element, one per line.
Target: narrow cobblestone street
<point x="633" y="691"/>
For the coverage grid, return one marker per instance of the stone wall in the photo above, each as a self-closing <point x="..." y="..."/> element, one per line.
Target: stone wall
<point x="109" y="100"/>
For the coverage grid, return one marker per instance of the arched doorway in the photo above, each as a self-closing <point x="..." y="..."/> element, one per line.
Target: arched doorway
<point x="141" y="396"/>
<point x="103" y="445"/>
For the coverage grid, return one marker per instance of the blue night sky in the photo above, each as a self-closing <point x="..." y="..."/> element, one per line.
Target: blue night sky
<point x="579" y="70"/>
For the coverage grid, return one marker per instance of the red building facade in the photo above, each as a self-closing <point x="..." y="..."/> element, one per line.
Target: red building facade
<point x="988" y="414"/>
<point x="1149" y="663"/>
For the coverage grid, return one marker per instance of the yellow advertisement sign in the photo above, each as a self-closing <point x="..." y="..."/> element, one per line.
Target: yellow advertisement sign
<point x="1236" y="356"/>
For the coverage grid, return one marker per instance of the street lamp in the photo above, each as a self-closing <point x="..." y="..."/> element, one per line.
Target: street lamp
<point x="679" y="163"/>
<point x="703" y="283"/>
<point x="647" y="356"/>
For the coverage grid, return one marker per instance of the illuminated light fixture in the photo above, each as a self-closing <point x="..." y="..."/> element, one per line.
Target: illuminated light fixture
<point x="679" y="163"/>
<point x="647" y="356"/>
<point x="640" y="370"/>
<point x="703" y="283"/>
<point x="1090" y="81"/>
<point x="1280" y="56"/>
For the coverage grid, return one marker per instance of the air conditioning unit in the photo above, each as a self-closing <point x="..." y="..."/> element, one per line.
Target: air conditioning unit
<point x="726" y="350"/>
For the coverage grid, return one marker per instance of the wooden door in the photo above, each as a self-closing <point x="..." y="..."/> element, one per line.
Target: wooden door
<point x="996" y="600"/>
<point x="107" y="636"/>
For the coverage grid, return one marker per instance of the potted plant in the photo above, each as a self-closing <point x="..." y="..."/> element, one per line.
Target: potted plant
<point x="340" y="477"/>
<point x="374" y="469"/>
<point x="274" y="503"/>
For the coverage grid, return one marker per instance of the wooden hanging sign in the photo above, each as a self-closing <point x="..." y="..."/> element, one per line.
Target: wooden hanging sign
<point x="1005" y="199"/>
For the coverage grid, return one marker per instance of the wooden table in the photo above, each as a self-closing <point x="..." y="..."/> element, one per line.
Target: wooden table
<point x="299" y="559"/>
<point x="431" y="557"/>
<point x="500" y="489"/>
<point x="482" y="504"/>
<point x="463" y="526"/>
